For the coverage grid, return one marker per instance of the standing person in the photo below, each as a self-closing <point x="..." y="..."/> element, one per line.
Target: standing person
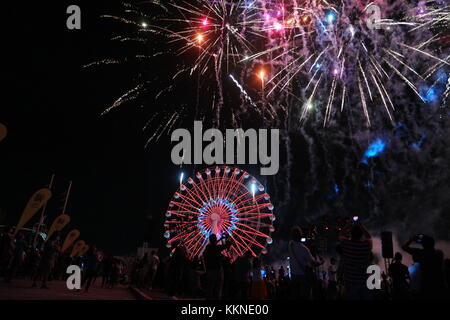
<point x="17" y="257"/>
<point x="143" y="271"/>
<point x="154" y="264"/>
<point x="399" y="274"/>
<point x="241" y="275"/>
<point x="258" y="289"/>
<point x="107" y="270"/>
<point x="300" y="260"/>
<point x="47" y="263"/>
<point x="6" y="250"/>
<point x="90" y="268"/>
<point x="431" y="266"/>
<point x="332" y="280"/>
<point x="214" y="269"/>
<point x="355" y="248"/>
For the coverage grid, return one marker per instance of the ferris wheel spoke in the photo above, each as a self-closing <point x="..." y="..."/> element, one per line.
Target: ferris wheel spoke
<point x="183" y="206"/>
<point x="191" y="196"/>
<point x="246" y="238"/>
<point x="253" y="230"/>
<point x="244" y="245"/>
<point x="191" y="201"/>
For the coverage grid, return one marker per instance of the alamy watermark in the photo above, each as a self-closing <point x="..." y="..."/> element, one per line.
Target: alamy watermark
<point x="235" y="146"/>
<point x="74" y="279"/>
<point x="73" y="22"/>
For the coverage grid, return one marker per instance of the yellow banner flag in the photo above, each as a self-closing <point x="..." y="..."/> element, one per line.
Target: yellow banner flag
<point x="59" y="224"/>
<point x="79" y="245"/>
<point x="3" y="132"/>
<point x="83" y="251"/>
<point x="36" y="202"/>
<point x="70" y="239"/>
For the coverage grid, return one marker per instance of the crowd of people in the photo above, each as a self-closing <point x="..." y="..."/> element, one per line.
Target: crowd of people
<point x="213" y="275"/>
<point x="22" y="258"/>
<point x="308" y="276"/>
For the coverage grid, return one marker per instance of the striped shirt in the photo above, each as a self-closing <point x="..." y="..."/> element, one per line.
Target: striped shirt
<point x="356" y="257"/>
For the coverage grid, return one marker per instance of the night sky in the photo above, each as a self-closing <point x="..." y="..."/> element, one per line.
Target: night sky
<point x="53" y="114"/>
<point x="52" y="107"/>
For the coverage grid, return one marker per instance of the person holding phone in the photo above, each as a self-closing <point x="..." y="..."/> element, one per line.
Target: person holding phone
<point x="300" y="260"/>
<point x="431" y="265"/>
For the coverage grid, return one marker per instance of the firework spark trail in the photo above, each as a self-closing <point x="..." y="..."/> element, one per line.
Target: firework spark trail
<point x="246" y="95"/>
<point x="322" y="64"/>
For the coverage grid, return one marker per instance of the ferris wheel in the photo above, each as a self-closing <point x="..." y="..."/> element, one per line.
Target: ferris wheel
<point x="227" y="202"/>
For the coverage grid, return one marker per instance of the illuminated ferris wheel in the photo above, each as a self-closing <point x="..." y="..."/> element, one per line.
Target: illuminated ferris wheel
<point x="222" y="201"/>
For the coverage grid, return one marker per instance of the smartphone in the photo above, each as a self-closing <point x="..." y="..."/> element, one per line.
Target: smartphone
<point x="303" y="239"/>
<point x="419" y="238"/>
<point x="355" y="218"/>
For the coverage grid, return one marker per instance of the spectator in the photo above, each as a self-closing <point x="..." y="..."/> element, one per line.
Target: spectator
<point x="6" y="250"/>
<point x="399" y="274"/>
<point x="431" y="266"/>
<point x="241" y="276"/>
<point x="17" y="257"/>
<point x="154" y="264"/>
<point x="214" y="269"/>
<point x="415" y="277"/>
<point x="356" y="250"/>
<point x="332" y="280"/>
<point x="258" y="287"/>
<point x="107" y="271"/>
<point x="90" y="268"/>
<point x="47" y="263"/>
<point x="300" y="259"/>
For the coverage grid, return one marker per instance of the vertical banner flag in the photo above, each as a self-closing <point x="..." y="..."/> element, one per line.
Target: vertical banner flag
<point x="37" y="201"/>
<point x="83" y="251"/>
<point x="70" y="239"/>
<point x="59" y="224"/>
<point x="3" y="132"/>
<point x="79" y="245"/>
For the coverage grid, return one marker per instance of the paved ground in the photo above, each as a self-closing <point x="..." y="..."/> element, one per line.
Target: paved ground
<point x="156" y="294"/>
<point x="21" y="290"/>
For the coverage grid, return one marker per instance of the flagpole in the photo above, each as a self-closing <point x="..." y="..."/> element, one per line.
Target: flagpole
<point x="67" y="197"/>
<point x="41" y="219"/>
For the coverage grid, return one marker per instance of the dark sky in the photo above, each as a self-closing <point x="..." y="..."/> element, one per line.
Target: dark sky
<point x="52" y="110"/>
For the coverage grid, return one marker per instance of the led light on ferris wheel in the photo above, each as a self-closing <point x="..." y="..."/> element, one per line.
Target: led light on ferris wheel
<point x="237" y="171"/>
<point x="246" y="175"/>
<point x="266" y="197"/>
<point x="208" y="172"/>
<point x="261" y="188"/>
<point x="272" y="229"/>
<point x="269" y="240"/>
<point x="199" y="175"/>
<point x="177" y="195"/>
<point x="217" y="170"/>
<point x="190" y="181"/>
<point x="253" y="188"/>
<point x="270" y="207"/>
<point x="167" y="235"/>
<point x="331" y="16"/>
<point x="227" y="170"/>
<point x="168" y="214"/>
<point x="168" y="245"/>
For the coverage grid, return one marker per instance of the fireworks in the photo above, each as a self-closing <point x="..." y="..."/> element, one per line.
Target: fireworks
<point x="220" y="201"/>
<point x="336" y="55"/>
<point x="336" y="75"/>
